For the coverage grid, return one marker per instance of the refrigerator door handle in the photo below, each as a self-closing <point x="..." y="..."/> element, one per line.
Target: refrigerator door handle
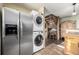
<point x="3" y="33"/>
<point x="21" y="29"/>
<point x="17" y="30"/>
<point x="3" y="24"/>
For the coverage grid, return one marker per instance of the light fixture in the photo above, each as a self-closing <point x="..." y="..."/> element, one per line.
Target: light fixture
<point x="74" y="12"/>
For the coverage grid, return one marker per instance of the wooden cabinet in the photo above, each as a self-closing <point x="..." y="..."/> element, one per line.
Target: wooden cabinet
<point x="71" y="44"/>
<point x="67" y="25"/>
<point x="51" y="20"/>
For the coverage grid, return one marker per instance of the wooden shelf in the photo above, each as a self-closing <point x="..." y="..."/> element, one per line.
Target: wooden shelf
<point x="52" y="22"/>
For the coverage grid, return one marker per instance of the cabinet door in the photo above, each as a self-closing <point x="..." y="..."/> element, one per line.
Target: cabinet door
<point x="67" y="25"/>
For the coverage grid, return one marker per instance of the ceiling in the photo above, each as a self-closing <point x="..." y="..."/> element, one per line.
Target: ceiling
<point x="60" y="9"/>
<point x="32" y="6"/>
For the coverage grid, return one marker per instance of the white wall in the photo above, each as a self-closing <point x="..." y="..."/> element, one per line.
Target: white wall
<point x="70" y="18"/>
<point x="74" y="18"/>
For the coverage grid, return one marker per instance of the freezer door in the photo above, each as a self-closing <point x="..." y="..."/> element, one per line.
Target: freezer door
<point x="10" y="32"/>
<point x="26" y="34"/>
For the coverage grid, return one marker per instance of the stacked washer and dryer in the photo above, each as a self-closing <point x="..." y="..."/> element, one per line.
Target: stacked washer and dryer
<point x="38" y="33"/>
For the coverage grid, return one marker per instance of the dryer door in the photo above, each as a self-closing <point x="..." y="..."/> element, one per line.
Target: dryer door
<point x="39" y="20"/>
<point x="39" y="40"/>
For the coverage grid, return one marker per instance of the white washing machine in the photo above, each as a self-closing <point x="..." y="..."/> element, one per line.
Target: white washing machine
<point x="38" y="41"/>
<point x="38" y="22"/>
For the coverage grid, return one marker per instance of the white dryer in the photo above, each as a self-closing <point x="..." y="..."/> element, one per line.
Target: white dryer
<point x="38" y="22"/>
<point x="38" y="41"/>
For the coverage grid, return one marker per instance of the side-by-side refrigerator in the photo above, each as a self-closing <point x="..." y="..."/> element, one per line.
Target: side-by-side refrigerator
<point x="16" y="33"/>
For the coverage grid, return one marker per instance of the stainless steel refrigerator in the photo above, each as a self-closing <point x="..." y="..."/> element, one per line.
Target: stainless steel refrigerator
<point x="16" y="33"/>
